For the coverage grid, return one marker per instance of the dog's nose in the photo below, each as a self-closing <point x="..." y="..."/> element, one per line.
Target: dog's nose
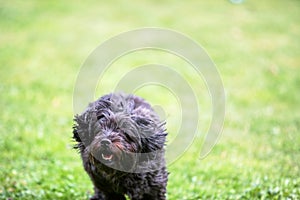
<point x="105" y="142"/>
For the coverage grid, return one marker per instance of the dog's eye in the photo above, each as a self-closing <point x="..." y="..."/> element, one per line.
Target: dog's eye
<point x="101" y="117"/>
<point x="130" y="137"/>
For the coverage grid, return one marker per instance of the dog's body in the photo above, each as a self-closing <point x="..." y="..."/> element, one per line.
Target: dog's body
<point x="121" y="141"/>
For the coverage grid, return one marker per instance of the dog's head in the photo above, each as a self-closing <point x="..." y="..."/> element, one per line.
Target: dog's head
<point x="120" y="132"/>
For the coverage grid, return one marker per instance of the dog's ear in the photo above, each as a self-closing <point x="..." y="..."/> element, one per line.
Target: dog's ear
<point x="152" y="133"/>
<point x="76" y="136"/>
<point x="75" y="132"/>
<point x="85" y="128"/>
<point x="143" y="121"/>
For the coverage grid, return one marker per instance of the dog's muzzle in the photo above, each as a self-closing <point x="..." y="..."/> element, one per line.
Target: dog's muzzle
<point x="106" y="153"/>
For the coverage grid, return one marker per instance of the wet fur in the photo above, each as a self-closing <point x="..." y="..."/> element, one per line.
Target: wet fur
<point x="137" y="139"/>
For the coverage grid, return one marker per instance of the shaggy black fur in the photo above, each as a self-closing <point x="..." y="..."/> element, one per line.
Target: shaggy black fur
<point x="121" y="141"/>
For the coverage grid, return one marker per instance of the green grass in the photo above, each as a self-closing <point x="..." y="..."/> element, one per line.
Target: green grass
<point x="255" y="46"/>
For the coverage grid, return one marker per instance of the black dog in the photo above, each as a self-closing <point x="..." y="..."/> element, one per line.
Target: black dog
<point x="121" y="141"/>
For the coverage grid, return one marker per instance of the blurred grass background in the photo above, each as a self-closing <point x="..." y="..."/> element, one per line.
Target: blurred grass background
<point x="255" y="46"/>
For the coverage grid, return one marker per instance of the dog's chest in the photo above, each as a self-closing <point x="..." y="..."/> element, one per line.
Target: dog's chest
<point x="110" y="179"/>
